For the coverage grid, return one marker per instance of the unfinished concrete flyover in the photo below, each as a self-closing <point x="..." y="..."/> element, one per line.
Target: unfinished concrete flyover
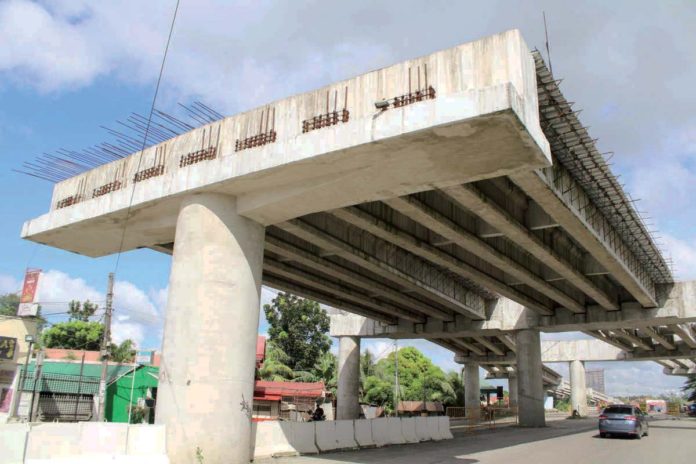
<point x="417" y="195"/>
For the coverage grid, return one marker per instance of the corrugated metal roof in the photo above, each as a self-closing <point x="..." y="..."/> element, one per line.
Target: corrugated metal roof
<point x="64" y="377"/>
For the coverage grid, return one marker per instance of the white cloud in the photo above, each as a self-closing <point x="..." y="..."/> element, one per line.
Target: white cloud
<point x="136" y="315"/>
<point x="683" y="254"/>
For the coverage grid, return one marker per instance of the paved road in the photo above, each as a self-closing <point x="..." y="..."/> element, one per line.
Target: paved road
<point x="562" y="442"/>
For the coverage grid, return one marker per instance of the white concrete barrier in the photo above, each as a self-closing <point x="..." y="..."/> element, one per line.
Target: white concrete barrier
<point x="408" y="429"/>
<point x="422" y="429"/>
<point x="13" y="440"/>
<point x="434" y="428"/>
<point x="273" y="440"/>
<point x="444" y="428"/>
<point x="85" y="442"/>
<point x="146" y="440"/>
<point x="103" y="439"/>
<point x="387" y="431"/>
<point x="303" y="436"/>
<point x="335" y="435"/>
<point x="363" y="433"/>
<point x="54" y="441"/>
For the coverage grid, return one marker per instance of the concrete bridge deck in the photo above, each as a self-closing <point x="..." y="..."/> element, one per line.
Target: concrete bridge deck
<point x="417" y="195"/>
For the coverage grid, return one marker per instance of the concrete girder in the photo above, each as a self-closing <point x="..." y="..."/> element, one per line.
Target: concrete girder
<point x="293" y="253"/>
<point x="508" y="342"/>
<point x="440" y="224"/>
<point x="408" y="242"/>
<point x="281" y="284"/>
<point x="469" y="346"/>
<point x="489" y="345"/>
<point x="631" y="338"/>
<point x="586" y="350"/>
<point x="684" y="332"/>
<point x="662" y="339"/>
<point x="601" y="335"/>
<point x="589" y="228"/>
<point x="341" y="292"/>
<point x="327" y="242"/>
<point x="471" y="198"/>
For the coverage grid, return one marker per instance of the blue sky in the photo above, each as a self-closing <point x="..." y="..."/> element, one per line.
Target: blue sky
<point x="67" y="67"/>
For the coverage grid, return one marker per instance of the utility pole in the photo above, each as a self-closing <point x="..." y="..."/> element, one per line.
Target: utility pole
<point x="396" y="377"/>
<point x="33" y="413"/>
<point x="106" y="342"/>
<point x="17" y="396"/>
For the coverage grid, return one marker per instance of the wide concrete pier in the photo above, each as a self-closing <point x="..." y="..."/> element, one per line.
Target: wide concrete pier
<point x="206" y="383"/>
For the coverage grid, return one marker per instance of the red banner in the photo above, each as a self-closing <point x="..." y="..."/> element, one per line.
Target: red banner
<point x="31" y="281"/>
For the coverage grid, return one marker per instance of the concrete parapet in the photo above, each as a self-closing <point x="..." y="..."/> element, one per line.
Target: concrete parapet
<point x="13" y="440"/>
<point x="408" y="430"/>
<point x="53" y="441"/>
<point x="146" y="440"/>
<point x="333" y="435"/>
<point x="434" y="428"/>
<point x="303" y="437"/>
<point x="443" y="427"/>
<point x="104" y="439"/>
<point x="274" y="438"/>
<point x="363" y="433"/>
<point x="387" y="431"/>
<point x="422" y="429"/>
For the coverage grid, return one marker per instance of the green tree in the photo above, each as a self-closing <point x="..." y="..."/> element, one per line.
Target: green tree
<point x="275" y="366"/>
<point x="455" y="380"/>
<point x="9" y="303"/>
<point x="690" y="388"/>
<point x="299" y="328"/>
<point x="75" y="335"/>
<point x="81" y="311"/>
<point x="419" y="378"/>
<point x="125" y="352"/>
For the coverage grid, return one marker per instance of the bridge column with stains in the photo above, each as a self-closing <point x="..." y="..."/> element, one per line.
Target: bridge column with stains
<point x="530" y="387"/>
<point x="578" y="389"/>
<point x="347" y="401"/>
<point x="206" y="382"/>
<point x="472" y="391"/>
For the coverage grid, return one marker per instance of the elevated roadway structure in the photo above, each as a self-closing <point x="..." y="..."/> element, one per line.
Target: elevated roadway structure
<point x="417" y="195"/>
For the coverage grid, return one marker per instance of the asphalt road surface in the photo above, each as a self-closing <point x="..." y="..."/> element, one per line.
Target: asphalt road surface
<point x="562" y="442"/>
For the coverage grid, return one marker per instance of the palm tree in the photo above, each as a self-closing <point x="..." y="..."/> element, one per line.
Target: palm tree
<point x="275" y="366"/>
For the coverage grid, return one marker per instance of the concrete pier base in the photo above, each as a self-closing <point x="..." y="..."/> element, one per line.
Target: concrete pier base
<point x="530" y="387"/>
<point x="512" y="390"/>
<point x="206" y="380"/>
<point x="578" y="390"/>
<point x="472" y="391"/>
<point x="347" y="401"/>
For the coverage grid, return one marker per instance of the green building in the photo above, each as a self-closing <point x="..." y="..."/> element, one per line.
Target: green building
<point x="137" y="387"/>
<point x="66" y="396"/>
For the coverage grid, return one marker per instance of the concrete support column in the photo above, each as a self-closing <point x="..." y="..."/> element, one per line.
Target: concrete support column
<point x="347" y="401"/>
<point x="578" y="390"/>
<point x="206" y="382"/>
<point x="530" y="387"/>
<point x="472" y="391"/>
<point x="512" y="389"/>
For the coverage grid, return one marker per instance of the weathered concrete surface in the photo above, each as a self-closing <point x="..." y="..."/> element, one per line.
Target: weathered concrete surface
<point x="472" y="391"/>
<point x="209" y="347"/>
<point x="578" y="389"/>
<point x="512" y="390"/>
<point x="483" y="123"/>
<point x="530" y="387"/>
<point x="505" y="315"/>
<point x="347" y="401"/>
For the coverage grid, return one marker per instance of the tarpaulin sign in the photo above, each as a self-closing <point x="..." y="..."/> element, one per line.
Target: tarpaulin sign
<point x="27" y="307"/>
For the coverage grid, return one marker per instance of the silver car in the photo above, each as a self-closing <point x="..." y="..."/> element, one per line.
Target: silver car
<point x="623" y="419"/>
